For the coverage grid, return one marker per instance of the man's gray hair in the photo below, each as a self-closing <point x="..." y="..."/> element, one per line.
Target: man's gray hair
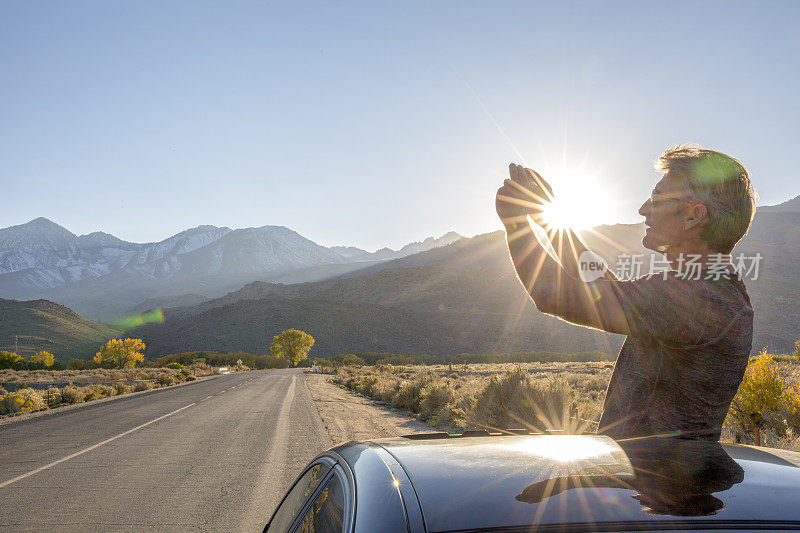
<point x="719" y="182"/>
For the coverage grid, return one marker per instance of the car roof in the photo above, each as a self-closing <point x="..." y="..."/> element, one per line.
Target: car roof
<point x="470" y="483"/>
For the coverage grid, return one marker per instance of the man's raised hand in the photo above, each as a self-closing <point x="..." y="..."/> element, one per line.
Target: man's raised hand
<point x="525" y="193"/>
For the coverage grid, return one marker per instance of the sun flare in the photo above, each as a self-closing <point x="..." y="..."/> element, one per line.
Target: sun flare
<point x="580" y="202"/>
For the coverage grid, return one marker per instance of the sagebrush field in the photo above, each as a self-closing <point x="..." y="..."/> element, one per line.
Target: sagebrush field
<point x="25" y="391"/>
<point x="564" y="396"/>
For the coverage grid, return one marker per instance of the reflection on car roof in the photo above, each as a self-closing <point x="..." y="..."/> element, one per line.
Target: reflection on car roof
<point x="508" y="481"/>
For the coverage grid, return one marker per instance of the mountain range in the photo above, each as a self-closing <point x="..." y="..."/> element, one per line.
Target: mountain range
<point x="101" y="276"/>
<point x="460" y="297"/>
<point x="463" y="297"/>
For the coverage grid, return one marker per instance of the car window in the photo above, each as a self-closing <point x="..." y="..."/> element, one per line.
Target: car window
<point x="326" y="514"/>
<point x="296" y="499"/>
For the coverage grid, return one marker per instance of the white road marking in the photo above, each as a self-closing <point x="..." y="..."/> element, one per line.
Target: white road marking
<point x="90" y="448"/>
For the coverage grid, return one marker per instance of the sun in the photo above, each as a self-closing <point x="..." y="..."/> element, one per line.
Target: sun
<point x="580" y="203"/>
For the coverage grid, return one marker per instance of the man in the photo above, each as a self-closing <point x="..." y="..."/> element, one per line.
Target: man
<point x="689" y="333"/>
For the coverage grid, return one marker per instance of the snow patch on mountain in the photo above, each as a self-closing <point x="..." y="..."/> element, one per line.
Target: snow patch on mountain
<point x="41" y="255"/>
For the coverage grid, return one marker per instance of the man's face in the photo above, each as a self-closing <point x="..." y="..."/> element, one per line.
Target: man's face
<point x="664" y="214"/>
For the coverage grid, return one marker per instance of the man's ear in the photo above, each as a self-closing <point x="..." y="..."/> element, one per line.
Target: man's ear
<point x="698" y="213"/>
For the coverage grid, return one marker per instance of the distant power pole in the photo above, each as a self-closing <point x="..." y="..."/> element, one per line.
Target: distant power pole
<point x="16" y="341"/>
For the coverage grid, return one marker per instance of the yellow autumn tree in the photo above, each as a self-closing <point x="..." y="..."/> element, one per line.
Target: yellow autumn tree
<point x="8" y="359"/>
<point x="43" y="359"/>
<point x="761" y="391"/>
<point x="292" y="345"/>
<point x="120" y="353"/>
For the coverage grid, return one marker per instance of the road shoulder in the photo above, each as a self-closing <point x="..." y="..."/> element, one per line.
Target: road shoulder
<point x="348" y="416"/>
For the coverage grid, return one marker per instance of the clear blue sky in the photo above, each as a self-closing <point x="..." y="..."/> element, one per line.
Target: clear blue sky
<point x="369" y="125"/>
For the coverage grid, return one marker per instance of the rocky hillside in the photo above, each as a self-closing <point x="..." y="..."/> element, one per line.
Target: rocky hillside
<point x="43" y="325"/>
<point x="421" y="310"/>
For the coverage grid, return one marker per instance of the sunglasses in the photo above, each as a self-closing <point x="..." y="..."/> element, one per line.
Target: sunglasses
<point x="654" y="195"/>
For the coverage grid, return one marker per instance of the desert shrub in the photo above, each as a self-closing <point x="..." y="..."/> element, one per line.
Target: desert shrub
<point x="367" y="382"/>
<point x="348" y="359"/>
<point x="142" y="386"/>
<point x="586" y="416"/>
<point x="201" y="369"/>
<point x="76" y="364"/>
<point x="71" y="394"/>
<point x="350" y="380"/>
<point x="121" y="388"/>
<point x="573" y="378"/>
<point x="23" y="401"/>
<point x="224" y="359"/>
<point x="451" y="418"/>
<point x="408" y="394"/>
<point x="451" y="401"/>
<point x="95" y="392"/>
<point x="190" y="378"/>
<point x="435" y="397"/>
<point x="173" y="366"/>
<point x="11" y="404"/>
<point x="52" y="396"/>
<point x="385" y="389"/>
<point x="596" y="383"/>
<point x="91" y="393"/>
<point x="401" y="359"/>
<point x="274" y="362"/>
<point x="87" y="394"/>
<point x="407" y="397"/>
<point x="165" y="380"/>
<point x="513" y="400"/>
<point x="586" y="382"/>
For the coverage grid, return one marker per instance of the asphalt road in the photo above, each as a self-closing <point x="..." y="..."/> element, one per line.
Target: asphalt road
<point x="215" y="455"/>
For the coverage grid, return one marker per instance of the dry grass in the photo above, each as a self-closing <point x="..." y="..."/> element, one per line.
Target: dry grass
<point x="51" y="389"/>
<point x="535" y="396"/>
<point x="97" y="375"/>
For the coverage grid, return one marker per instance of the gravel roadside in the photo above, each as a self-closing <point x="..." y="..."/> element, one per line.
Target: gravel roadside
<point x="348" y="416"/>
